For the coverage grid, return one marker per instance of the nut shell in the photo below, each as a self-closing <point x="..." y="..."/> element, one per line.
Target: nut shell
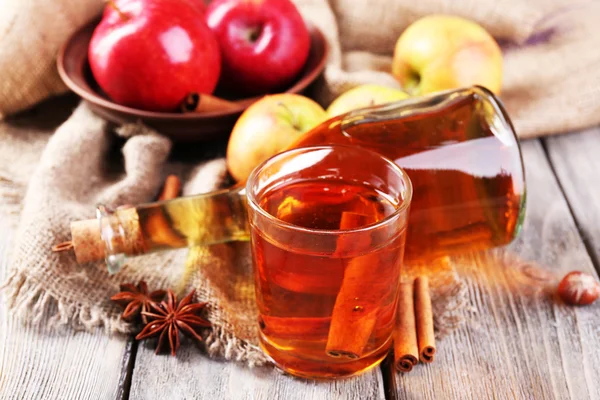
<point x="578" y="288"/>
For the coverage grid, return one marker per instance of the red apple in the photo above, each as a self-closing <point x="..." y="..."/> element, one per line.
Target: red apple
<point x="199" y="5"/>
<point x="150" y="54"/>
<point x="264" y="43"/>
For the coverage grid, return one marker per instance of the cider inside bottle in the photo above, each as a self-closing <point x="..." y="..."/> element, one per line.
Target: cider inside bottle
<point x="463" y="159"/>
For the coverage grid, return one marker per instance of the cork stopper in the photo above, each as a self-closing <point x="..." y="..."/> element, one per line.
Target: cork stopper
<point x="87" y="241"/>
<point x="119" y="233"/>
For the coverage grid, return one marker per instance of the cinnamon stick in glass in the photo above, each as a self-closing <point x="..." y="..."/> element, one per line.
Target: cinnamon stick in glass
<point x="355" y="311"/>
<point x="406" y="352"/>
<point x="424" y="319"/>
<point x="200" y="102"/>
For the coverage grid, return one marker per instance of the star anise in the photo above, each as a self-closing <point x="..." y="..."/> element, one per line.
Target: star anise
<point x="169" y="317"/>
<point x="136" y="300"/>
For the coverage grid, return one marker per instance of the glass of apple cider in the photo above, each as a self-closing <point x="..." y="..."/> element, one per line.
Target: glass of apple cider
<point x="328" y="227"/>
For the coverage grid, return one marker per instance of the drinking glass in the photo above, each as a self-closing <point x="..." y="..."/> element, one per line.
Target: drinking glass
<point x="327" y="228"/>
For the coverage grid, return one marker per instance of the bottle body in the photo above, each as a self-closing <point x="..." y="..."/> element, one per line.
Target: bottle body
<point x="463" y="158"/>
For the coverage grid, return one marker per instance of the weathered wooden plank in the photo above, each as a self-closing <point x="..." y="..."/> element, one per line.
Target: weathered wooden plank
<point x="521" y="342"/>
<point x="388" y="375"/>
<point x="192" y="375"/>
<point x="46" y="364"/>
<point x="576" y="162"/>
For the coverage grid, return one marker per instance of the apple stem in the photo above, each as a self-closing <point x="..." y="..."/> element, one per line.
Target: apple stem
<point x="254" y="34"/>
<point x="113" y="5"/>
<point x="412" y="86"/>
<point x="293" y="119"/>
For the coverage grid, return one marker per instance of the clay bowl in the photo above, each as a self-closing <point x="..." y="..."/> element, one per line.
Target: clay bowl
<point x="191" y="127"/>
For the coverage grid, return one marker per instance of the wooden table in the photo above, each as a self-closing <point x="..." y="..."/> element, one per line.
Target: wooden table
<point x="520" y="342"/>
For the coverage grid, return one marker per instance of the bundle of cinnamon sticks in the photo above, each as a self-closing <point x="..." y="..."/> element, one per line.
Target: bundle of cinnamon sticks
<point x="414" y="338"/>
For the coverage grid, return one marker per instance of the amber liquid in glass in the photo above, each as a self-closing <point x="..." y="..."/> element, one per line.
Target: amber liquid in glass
<point x="468" y="189"/>
<point x="327" y="313"/>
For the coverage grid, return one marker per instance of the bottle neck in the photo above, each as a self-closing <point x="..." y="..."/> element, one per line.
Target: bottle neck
<point x="202" y="220"/>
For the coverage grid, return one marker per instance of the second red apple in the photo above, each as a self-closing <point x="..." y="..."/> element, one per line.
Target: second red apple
<point x="264" y="43"/>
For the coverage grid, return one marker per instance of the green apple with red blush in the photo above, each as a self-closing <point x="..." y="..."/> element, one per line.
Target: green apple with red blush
<point x="268" y="127"/>
<point x="441" y="52"/>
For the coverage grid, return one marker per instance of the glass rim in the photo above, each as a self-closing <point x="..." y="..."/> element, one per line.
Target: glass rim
<point x="404" y="205"/>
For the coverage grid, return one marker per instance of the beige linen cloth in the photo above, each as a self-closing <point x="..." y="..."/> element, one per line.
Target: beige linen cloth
<point x="551" y="85"/>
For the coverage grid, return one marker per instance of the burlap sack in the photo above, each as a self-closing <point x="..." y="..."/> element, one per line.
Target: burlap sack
<point x="31" y="33"/>
<point x="84" y="164"/>
<point x="552" y="68"/>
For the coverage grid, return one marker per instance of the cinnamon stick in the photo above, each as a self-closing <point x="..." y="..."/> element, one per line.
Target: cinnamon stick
<point x="352" y="220"/>
<point x="171" y="188"/>
<point x="199" y="103"/>
<point x="406" y="352"/>
<point x="357" y="304"/>
<point x="162" y="231"/>
<point x="63" y="246"/>
<point x="424" y="318"/>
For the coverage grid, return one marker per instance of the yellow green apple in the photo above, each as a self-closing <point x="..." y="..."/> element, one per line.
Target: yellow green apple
<point x="364" y="96"/>
<point x="441" y="52"/>
<point x="268" y="127"/>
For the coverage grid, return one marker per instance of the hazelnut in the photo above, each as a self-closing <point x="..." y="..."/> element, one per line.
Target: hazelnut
<point x="578" y="288"/>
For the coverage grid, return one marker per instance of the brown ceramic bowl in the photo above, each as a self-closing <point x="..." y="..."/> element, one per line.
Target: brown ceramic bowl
<point x="75" y="72"/>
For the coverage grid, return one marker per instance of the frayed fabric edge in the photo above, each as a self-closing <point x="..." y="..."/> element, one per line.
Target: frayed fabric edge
<point x="30" y="303"/>
<point x="223" y="344"/>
